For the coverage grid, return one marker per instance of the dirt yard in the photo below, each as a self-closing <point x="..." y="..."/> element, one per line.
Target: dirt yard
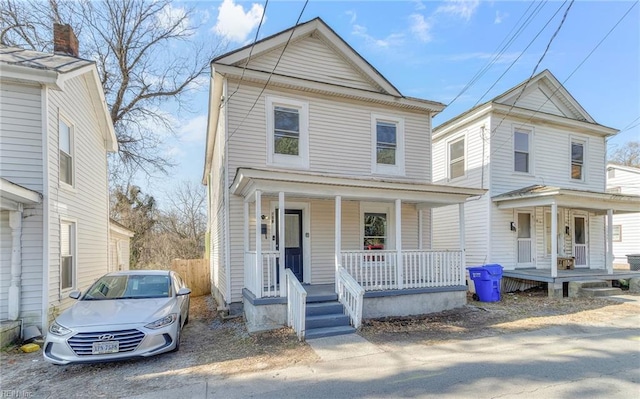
<point x="212" y="348"/>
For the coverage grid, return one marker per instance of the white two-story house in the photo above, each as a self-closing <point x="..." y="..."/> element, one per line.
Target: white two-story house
<point x="303" y="130"/>
<point x="542" y="158"/>
<point x="626" y="228"/>
<point x="55" y="133"/>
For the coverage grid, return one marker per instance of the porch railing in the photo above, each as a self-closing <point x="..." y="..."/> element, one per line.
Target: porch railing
<point x="351" y="295"/>
<point x="377" y="270"/>
<point x="262" y="278"/>
<point x="296" y="304"/>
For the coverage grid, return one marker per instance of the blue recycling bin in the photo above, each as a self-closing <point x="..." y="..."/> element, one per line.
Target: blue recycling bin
<point x="487" y="281"/>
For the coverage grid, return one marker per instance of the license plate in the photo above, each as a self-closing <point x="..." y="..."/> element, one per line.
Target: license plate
<point x="100" y="348"/>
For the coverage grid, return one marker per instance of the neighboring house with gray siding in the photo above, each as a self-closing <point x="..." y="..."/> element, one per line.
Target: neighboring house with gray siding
<point x="303" y="129"/>
<point x="542" y="158"/>
<point x="55" y="133"/>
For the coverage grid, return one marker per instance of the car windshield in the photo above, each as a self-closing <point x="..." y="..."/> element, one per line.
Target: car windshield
<point x="128" y="287"/>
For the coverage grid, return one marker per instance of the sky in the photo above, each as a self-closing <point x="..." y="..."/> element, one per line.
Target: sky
<point x="433" y="49"/>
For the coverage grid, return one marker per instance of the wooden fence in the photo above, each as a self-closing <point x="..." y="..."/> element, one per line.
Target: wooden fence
<point x="195" y="273"/>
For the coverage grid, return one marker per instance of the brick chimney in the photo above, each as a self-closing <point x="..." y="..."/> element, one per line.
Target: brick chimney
<point x="64" y="40"/>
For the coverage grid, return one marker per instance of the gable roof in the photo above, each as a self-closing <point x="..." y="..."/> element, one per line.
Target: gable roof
<point x="53" y="70"/>
<point x="318" y="27"/>
<point x="558" y="104"/>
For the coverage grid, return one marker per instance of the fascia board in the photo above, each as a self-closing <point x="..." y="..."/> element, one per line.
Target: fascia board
<point x="49" y="78"/>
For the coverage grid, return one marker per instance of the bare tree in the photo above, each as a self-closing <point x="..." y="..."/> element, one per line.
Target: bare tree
<point x="147" y="54"/>
<point x="627" y="155"/>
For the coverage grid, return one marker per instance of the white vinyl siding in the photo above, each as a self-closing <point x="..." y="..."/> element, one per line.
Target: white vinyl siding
<point x="312" y="59"/>
<point x="627" y="179"/>
<point x="340" y="138"/>
<point x="87" y="202"/>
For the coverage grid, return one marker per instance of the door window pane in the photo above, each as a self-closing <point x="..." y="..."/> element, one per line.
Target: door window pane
<point x="292" y="231"/>
<point x="579" y="230"/>
<point x="524" y="225"/>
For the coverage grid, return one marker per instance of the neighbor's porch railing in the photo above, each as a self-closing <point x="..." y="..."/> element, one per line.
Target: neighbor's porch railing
<point x="296" y="304"/>
<point x="351" y="295"/>
<point x="262" y="279"/>
<point x="378" y="270"/>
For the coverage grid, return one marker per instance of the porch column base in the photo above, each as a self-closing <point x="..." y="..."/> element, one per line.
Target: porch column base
<point x="554" y="290"/>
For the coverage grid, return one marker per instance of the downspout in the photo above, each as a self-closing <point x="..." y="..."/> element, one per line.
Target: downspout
<point x="45" y="208"/>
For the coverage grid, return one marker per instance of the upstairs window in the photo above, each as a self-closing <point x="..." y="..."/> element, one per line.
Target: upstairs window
<point x="577" y="160"/>
<point x="521" y="151"/>
<point x="388" y="145"/>
<point x="456" y="159"/>
<point x="287" y="132"/>
<point x="65" y="136"/>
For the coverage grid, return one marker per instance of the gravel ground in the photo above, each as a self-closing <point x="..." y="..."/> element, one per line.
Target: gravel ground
<point x="212" y="348"/>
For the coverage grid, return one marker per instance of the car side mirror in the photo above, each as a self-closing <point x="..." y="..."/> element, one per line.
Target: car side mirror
<point x="75" y="294"/>
<point x="183" y="291"/>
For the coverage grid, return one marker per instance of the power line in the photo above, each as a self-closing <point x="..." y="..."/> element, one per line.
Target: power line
<point x="255" y="39"/>
<point x="502" y="47"/>
<point x="521" y="54"/>
<point x="272" y="71"/>
<point x="571" y="74"/>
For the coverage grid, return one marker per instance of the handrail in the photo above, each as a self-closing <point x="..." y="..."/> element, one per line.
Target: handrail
<point x="351" y="295"/>
<point x="296" y="304"/>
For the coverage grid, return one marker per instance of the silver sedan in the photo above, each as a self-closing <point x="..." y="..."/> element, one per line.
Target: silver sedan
<point x="122" y="315"/>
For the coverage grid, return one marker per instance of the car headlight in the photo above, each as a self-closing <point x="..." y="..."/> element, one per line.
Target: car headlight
<point x="163" y="322"/>
<point x="57" y="329"/>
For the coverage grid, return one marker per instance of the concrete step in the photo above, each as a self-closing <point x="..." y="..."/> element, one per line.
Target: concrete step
<point x="327" y="320"/>
<point x="593" y="284"/>
<point x="328" y="332"/>
<point x="322" y="298"/>
<point x="599" y="291"/>
<point x="321" y="308"/>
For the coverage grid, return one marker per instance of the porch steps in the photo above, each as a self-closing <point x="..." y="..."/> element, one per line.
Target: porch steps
<point x="326" y="318"/>
<point x="594" y="288"/>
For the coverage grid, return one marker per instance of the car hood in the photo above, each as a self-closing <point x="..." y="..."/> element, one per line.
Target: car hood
<point x="115" y="311"/>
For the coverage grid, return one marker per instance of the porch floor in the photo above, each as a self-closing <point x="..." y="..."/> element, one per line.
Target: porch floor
<point x="569" y="275"/>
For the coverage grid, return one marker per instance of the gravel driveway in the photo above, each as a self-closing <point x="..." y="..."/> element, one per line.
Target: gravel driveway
<point x="214" y="349"/>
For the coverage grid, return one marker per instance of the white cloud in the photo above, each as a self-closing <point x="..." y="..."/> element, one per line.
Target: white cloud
<point x="169" y="16"/>
<point x="353" y="16"/>
<point x="194" y="130"/>
<point x="420" y="27"/>
<point x="393" y="39"/>
<point x="419" y="5"/>
<point x="500" y="17"/>
<point x="234" y="24"/>
<point x="460" y="8"/>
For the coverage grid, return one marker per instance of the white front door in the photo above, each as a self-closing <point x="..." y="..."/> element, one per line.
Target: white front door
<point x="524" y="250"/>
<point x="580" y="240"/>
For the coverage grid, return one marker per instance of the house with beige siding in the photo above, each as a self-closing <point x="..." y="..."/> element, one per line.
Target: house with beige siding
<point x="542" y="159"/>
<point x="55" y="133"/>
<point x="626" y="228"/>
<point x="303" y="130"/>
<point x="119" y="246"/>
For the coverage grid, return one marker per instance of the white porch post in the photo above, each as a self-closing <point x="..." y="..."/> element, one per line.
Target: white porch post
<point x="338" y="237"/>
<point x="13" y="303"/>
<point x="463" y="262"/>
<point x="399" y="266"/>
<point x="554" y="239"/>
<point x="258" y="288"/>
<point x="281" y="241"/>
<point x="420" y="228"/>
<point x="609" y="241"/>
<point x="246" y="227"/>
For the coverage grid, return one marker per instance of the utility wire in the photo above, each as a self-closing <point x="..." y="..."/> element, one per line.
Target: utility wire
<point x="255" y="39"/>
<point x="521" y="54"/>
<point x="272" y="71"/>
<point x="502" y="47"/>
<point x="569" y="77"/>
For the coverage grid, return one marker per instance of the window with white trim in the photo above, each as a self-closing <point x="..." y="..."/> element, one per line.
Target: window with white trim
<point x="287" y="132"/>
<point x="375" y="230"/>
<point x="65" y="145"/>
<point x="388" y="145"/>
<point x="578" y="155"/>
<point x="617" y="233"/>
<point x="521" y="151"/>
<point x="67" y="255"/>
<point x="456" y="158"/>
